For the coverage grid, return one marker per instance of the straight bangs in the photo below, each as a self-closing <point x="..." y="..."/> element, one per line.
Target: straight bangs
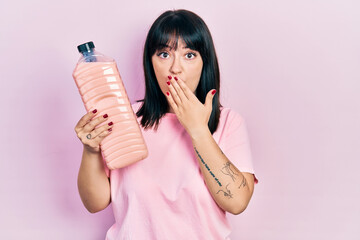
<point x="170" y="30"/>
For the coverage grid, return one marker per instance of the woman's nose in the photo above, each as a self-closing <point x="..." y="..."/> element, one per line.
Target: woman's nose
<point x="175" y="67"/>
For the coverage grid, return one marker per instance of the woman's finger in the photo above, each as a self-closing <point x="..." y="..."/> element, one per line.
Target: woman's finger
<point x="101" y="129"/>
<point x="84" y="120"/>
<point x="93" y="123"/>
<point x="174" y="94"/>
<point x="179" y="90"/>
<point x="95" y="142"/>
<point x="171" y="102"/>
<point x="185" y="89"/>
<point x="102" y="135"/>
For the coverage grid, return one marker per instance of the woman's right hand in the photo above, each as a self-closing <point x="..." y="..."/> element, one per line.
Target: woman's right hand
<point x="88" y="135"/>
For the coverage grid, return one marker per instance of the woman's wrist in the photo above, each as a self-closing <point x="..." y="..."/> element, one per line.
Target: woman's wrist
<point x="91" y="157"/>
<point x="90" y="151"/>
<point x="198" y="133"/>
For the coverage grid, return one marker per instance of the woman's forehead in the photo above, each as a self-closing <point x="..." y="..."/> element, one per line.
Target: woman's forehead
<point x="174" y="43"/>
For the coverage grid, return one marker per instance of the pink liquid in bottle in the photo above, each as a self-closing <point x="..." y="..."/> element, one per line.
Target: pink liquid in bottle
<point x="101" y="88"/>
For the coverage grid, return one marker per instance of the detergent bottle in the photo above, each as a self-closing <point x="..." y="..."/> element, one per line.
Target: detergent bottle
<point x="101" y="87"/>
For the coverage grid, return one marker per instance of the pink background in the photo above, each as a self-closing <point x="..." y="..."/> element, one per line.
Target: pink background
<point x="291" y="68"/>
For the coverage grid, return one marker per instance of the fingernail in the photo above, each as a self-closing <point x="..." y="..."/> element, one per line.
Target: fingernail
<point x="169" y="77"/>
<point x="110" y="129"/>
<point x="167" y="93"/>
<point x="110" y="123"/>
<point x="168" y="83"/>
<point x="94" y="111"/>
<point x="213" y="92"/>
<point x="175" y="78"/>
<point x="105" y="116"/>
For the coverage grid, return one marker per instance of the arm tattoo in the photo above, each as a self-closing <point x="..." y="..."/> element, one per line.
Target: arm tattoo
<point x="243" y="182"/>
<point x="228" y="171"/>
<point x="207" y="167"/>
<point x="227" y="194"/>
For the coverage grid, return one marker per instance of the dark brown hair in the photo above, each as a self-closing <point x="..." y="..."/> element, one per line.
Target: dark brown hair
<point x="192" y="29"/>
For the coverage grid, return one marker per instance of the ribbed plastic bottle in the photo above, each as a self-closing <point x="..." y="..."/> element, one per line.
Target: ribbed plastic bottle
<point x="100" y="86"/>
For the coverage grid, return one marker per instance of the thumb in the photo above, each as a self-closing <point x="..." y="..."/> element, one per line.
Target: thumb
<point x="209" y="99"/>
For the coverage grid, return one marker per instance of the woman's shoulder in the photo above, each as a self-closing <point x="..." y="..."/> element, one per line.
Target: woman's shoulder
<point x="230" y="114"/>
<point x="230" y="120"/>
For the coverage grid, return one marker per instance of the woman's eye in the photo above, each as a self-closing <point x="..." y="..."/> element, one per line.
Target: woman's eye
<point x="190" y="55"/>
<point x="163" y="55"/>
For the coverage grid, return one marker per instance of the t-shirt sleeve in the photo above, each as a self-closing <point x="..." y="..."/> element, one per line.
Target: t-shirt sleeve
<point x="236" y="144"/>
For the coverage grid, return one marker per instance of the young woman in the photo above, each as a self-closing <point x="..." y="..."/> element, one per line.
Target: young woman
<point x="199" y="165"/>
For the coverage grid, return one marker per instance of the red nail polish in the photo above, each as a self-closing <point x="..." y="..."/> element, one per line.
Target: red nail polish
<point x="110" y="129"/>
<point x="213" y="92"/>
<point x="175" y="78"/>
<point x="167" y="93"/>
<point x="168" y="83"/>
<point x="169" y="77"/>
<point x="94" y="111"/>
<point x="110" y="123"/>
<point x="105" y="116"/>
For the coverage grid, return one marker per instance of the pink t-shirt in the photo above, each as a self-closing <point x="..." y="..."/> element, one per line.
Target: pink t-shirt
<point x="164" y="196"/>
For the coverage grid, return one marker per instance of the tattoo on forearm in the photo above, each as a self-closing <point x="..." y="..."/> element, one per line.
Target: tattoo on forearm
<point x="227" y="194"/>
<point x="207" y="167"/>
<point x="228" y="171"/>
<point x="243" y="182"/>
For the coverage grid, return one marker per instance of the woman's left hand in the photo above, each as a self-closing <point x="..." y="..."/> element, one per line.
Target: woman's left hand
<point x="192" y="114"/>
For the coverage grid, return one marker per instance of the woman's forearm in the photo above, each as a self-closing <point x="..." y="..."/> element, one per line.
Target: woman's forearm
<point x="227" y="185"/>
<point x="93" y="184"/>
